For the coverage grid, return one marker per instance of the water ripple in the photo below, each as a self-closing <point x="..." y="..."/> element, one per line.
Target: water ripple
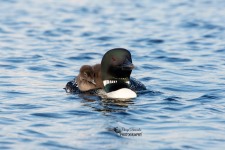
<point x="8" y="66"/>
<point x="79" y="113"/>
<point x="206" y="98"/>
<point x="53" y="144"/>
<point x="149" y="41"/>
<point x="39" y="68"/>
<point x="173" y="59"/>
<point x="24" y="106"/>
<point x="29" y="132"/>
<point x="48" y="115"/>
<point x="104" y="38"/>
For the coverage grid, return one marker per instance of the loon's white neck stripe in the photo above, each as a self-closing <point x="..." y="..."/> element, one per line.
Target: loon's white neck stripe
<point x="106" y="82"/>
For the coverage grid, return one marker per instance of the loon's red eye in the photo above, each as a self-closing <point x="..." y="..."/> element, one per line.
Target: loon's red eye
<point x="114" y="59"/>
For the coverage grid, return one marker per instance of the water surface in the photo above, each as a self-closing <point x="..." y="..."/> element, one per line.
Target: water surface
<point x="177" y="47"/>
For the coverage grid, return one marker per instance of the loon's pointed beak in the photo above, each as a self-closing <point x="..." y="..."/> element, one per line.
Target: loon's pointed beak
<point x="127" y="65"/>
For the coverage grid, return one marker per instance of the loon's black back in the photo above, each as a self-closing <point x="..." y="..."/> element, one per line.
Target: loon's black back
<point x="71" y="87"/>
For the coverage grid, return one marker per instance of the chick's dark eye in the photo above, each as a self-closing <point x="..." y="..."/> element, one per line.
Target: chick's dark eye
<point x="85" y="74"/>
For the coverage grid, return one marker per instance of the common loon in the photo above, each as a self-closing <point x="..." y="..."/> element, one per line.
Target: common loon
<point x="116" y="67"/>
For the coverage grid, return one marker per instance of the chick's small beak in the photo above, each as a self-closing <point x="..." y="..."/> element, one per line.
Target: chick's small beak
<point x="93" y="81"/>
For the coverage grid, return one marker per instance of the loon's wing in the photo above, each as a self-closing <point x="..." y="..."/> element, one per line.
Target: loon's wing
<point x="71" y="87"/>
<point x="136" y="85"/>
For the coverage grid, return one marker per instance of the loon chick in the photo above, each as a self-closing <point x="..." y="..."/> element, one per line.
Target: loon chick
<point x="89" y="77"/>
<point x="85" y="79"/>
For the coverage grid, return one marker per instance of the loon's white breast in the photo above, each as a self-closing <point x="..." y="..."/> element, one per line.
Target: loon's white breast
<point x="123" y="93"/>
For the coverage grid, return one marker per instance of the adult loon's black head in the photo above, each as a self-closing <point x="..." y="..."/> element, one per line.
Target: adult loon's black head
<point x="116" y="67"/>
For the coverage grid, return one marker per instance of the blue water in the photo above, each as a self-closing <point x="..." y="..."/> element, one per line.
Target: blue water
<point x="178" y="48"/>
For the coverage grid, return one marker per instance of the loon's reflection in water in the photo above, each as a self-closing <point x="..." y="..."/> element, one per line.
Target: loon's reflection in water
<point x="112" y="105"/>
<point x="106" y="105"/>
